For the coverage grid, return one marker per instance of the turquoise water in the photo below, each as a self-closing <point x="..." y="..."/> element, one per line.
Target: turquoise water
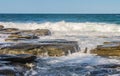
<point x="102" y="18"/>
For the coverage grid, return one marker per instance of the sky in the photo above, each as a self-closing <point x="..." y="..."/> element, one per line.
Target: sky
<point x="59" y="6"/>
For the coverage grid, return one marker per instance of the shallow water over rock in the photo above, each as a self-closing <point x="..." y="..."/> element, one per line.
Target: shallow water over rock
<point x="45" y="68"/>
<point x="15" y="65"/>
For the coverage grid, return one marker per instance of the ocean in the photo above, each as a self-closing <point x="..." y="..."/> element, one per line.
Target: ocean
<point x="89" y="30"/>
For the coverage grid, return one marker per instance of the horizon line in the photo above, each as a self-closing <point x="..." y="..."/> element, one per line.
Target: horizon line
<point x="58" y="13"/>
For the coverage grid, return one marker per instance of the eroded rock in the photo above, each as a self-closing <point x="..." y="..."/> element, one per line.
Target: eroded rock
<point x="107" y="49"/>
<point x="42" y="48"/>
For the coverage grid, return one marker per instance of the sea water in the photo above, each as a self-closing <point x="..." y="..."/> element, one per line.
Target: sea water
<point x="89" y="30"/>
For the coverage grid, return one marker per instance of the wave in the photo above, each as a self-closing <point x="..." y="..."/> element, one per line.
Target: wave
<point x="65" y="26"/>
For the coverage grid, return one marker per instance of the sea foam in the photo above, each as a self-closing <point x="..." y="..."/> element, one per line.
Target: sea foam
<point x="87" y="34"/>
<point x="66" y="26"/>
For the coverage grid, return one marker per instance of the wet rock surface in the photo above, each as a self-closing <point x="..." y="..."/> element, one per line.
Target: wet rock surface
<point x="58" y="47"/>
<point x="17" y="37"/>
<point x="15" y="65"/>
<point x="20" y="58"/>
<point x="15" y="34"/>
<point x="42" y="48"/>
<point x="9" y="30"/>
<point x="107" y="49"/>
<point x="37" y="32"/>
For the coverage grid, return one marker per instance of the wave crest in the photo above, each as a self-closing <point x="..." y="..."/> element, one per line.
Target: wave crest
<point x="65" y="26"/>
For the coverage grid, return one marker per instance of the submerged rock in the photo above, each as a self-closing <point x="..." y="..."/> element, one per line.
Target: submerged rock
<point x="107" y="49"/>
<point x="7" y="72"/>
<point x="42" y="48"/>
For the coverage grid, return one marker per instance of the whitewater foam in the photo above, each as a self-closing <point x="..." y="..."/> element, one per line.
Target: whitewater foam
<point x="81" y="58"/>
<point x="87" y="34"/>
<point x="66" y="26"/>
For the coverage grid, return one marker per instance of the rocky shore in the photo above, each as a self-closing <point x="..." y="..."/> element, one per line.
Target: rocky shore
<point x="15" y="53"/>
<point x="21" y="49"/>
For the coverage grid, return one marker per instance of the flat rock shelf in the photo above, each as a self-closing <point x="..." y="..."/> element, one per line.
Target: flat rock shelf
<point x="42" y="48"/>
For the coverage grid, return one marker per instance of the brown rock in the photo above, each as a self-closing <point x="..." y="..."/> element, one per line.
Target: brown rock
<point x="20" y="58"/>
<point x="16" y="37"/>
<point x="10" y="29"/>
<point x="38" y="32"/>
<point x="1" y="27"/>
<point x="108" y="49"/>
<point x="42" y="32"/>
<point x="50" y="48"/>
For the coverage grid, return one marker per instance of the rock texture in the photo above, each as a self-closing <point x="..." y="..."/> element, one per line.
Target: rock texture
<point x="37" y="32"/>
<point x="107" y="49"/>
<point x="14" y="65"/>
<point x="16" y="37"/>
<point x="42" y="48"/>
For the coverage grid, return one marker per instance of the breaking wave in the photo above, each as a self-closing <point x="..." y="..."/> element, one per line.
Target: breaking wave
<point x="66" y="26"/>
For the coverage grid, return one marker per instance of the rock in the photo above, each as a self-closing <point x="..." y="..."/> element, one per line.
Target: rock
<point x="38" y="32"/>
<point x="50" y="48"/>
<point x="1" y="27"/>
<point x="9" y="31"/>
<point x="7" y="72"/>
<point x="20" y="58"/>
<point x="15" y="65"/>
<point x="113" y="42"/>
<point x="107" y="49"/>
<point x="42" y="32"/>
<point x="108" y="66"/>
<point x="23" y="36"/>
<point x="16" y="37"/>
<point x="14" y="69"/>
